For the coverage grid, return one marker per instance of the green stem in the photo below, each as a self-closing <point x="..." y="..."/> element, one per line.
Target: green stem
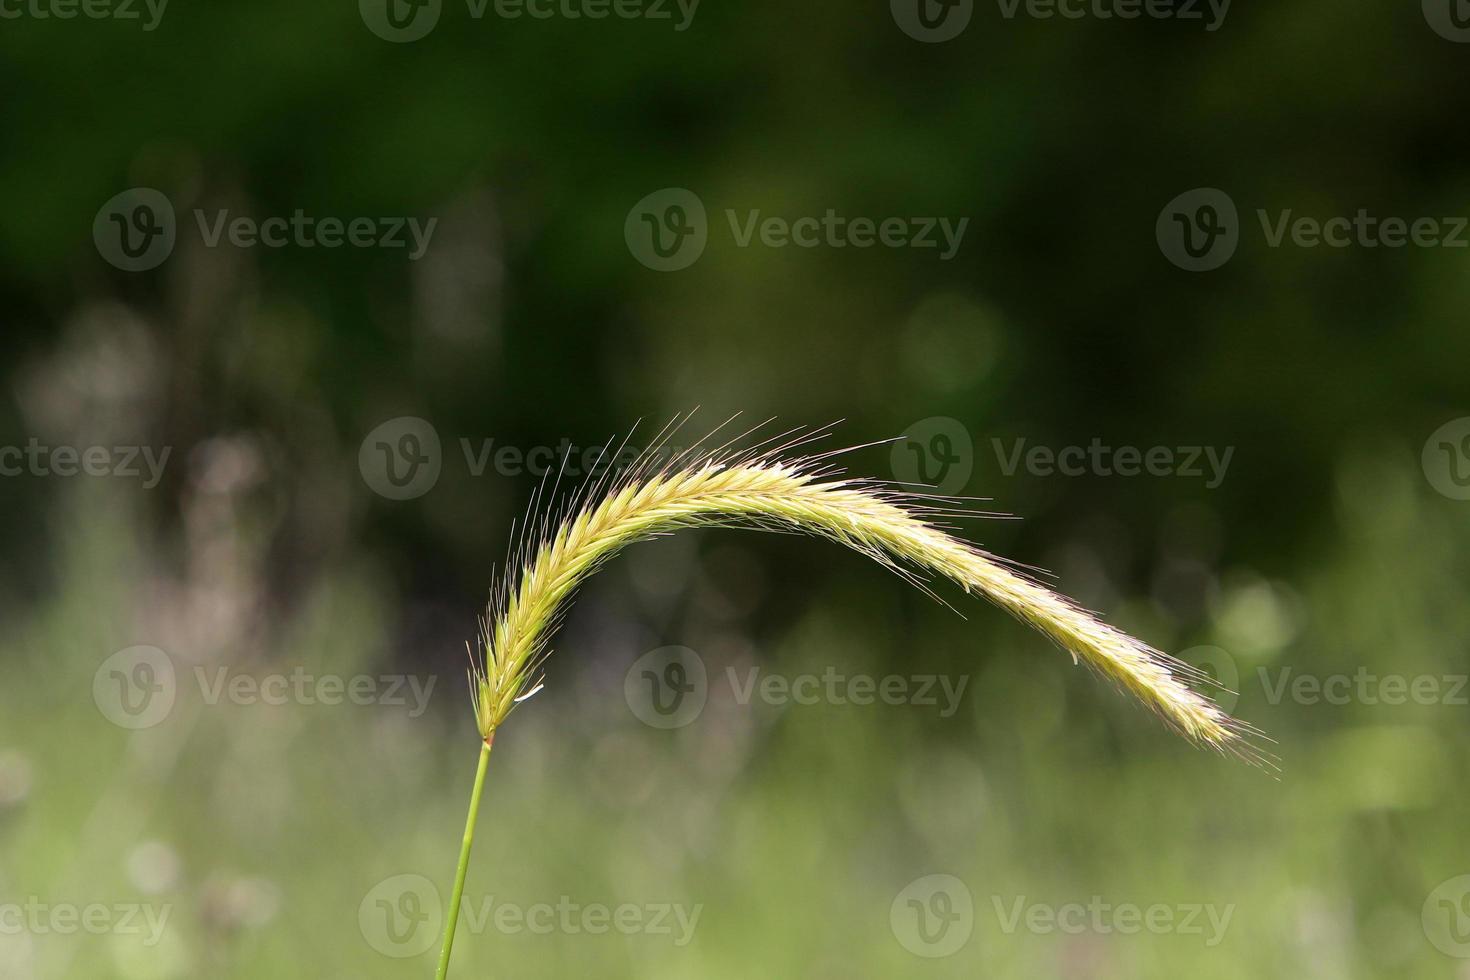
<point x="464" y="863"/>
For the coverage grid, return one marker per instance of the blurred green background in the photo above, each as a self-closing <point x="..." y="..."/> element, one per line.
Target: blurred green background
<point x="273" y="838"/>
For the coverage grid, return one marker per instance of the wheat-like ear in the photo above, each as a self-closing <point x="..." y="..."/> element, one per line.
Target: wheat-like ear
<point x="766" y="488"/>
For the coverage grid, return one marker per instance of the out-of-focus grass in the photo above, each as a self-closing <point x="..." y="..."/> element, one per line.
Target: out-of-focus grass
<point x="263" y="828"/>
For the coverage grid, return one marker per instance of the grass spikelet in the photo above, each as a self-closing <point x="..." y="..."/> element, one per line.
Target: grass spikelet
<point x="768" y="486"/>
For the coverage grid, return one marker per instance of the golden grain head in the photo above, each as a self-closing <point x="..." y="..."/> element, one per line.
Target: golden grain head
<point x="765" y="486"/>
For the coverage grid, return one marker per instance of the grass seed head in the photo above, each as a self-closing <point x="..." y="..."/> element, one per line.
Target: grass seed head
<point x="767" y="486"/>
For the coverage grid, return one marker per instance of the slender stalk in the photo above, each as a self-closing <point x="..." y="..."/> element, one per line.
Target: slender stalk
<point x="452" y="919"/>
